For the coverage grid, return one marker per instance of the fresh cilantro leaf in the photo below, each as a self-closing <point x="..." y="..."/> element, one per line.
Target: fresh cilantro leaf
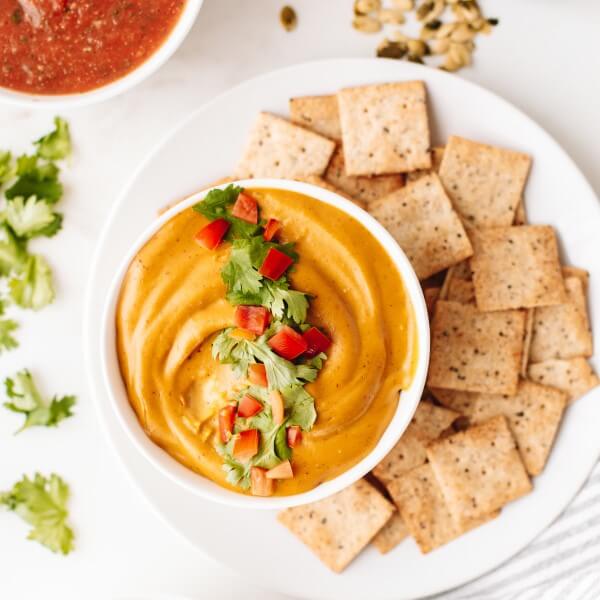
<point x="317" y="361"/>
<point x="26" y="399"/>
<point x="42" y="502"/>
<point x="32" y="217"/>
<point x="36" y="179"/>
<point x="13" y="255"/>
<point x="8" y="168"/>
<point x="283" y="302"/>
<point x="7" y="341"/>
<point x="34" y="288"/>
<point x="214" y="206"/>
<point x="281" y="373"/>
<point x="283" y="451"/>
<point x="56" y="145"/>
<point x="300" y="406"/>
<point x="238" y="274"/>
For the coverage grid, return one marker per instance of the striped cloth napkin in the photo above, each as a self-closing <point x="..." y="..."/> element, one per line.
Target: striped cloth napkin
<point x="561" y="564"/>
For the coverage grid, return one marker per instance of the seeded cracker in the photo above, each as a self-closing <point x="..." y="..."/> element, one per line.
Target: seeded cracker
<point x="437" y="153"/>
<point x="516" y="267"/>
<point x="317" y="113"/>
<point x="485" y="183"/>
<point x="320" y="182"/>
<point x="478" y="470"/>
<point x="431" y="297"/>
<point x="391" y="534"/>
<point x="460" y="290"/>
<point x="421" y="219"/>
<point x="475" y="351"/>
<point x="385" y="128"/>
<point x="562" y="331"/>
<point x="432" y="420"/>
<point x="367" y="189"/>
<point x="573" y="376"/>
<point x="581" y="274"/>
<point x="338" y="528"/>
<point x="534" y="415"/>
<point x="278" y="148"/>
<point x="424" y="510"/>
<point x="461" y="402"/>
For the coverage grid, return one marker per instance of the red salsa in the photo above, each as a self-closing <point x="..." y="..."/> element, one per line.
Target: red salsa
<point x="70" y="46"/>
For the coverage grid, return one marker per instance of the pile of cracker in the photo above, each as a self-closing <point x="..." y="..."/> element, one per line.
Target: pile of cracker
<point x="510" y="334"/>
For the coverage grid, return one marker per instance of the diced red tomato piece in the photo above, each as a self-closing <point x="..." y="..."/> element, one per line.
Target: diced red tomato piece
<point x="242" y="334"/>
<point x="288" y="343"/>
<point x="210" y="235"/>
<point x="245" y="208"/>
<point x="252" y="318"/>
<point x="271" y="229"/>
<point x="246" y="445"/>
<point x="277" y="407"/>
<point x="282" y="471"/>
<point x="257" y="374"/>
<point x="259" y="484"/>
<point x="276" y="263"/>
<point x="248" y="407"/>
<point x="294" y="436"/>
<point x="316" y="340"/>
<point x="226" y="421"/>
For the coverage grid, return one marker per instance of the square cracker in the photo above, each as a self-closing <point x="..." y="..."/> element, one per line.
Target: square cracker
<point x="475" y="351"/>
<point x="320" y="182"/>
<point x="478" y="470"/>
<point x="278" y="148"/>
<point x="338" y="528"/>
<point x="437" y="153"/>
<point x="534" y="415"/>
<point x="516" y="267"/>
<point x="432" y="295"/>
<point x="573" y="376"/>
<point x="461" y="290"/>
<point x="432" y="420"/>
<point x="317" y="113"/>
<point x="562" y="330"/>
<point x="581" y="274"/>
<point x="408" y="453"/>
<point x="391" y="534"/>
<point x="366" y="189"/>
<point x="456" y="400"/>
<point x="421" y="219"/>
<point x="424" y="510"/>
<point x="485" y="183"/>
<point x="385" y="128"/>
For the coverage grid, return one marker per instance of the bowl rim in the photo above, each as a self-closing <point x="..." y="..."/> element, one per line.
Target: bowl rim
<point x="171" y="43"/>
<point x="202" y="486"/>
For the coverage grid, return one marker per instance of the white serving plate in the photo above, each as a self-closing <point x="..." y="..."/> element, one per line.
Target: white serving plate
<point x="204" y="148"/>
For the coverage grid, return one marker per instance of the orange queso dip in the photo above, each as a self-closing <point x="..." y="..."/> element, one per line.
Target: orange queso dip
<point x="262" y="380"/>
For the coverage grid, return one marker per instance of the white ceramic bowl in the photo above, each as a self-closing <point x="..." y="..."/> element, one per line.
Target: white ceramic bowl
<point x="197" y="484"/>
<point x="144" y="70"/>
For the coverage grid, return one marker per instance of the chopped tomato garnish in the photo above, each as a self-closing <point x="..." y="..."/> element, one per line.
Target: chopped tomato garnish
<point x="294" y="436"/>
<point x="288" y="343"/>
<point x="245" y="208"/>
<point x="210" y="235"/>
<point x="252" y="318"/>
<point x="246" y="445"/>
<point x="259" y="484"/>
<point x="271" y="229"/>
<point x="277" y="407"/>
<point x="257" y="374"/>
<point x="226" y="421"/>
<point x="248" y="407"/>
<point x="243" y="334"/>
<point x="282" y="471"/>
<point x="316" y="340"/>
<point x="276" y="263"/>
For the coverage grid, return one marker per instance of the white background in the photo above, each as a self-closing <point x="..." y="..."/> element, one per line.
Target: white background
<point x="544" y="57"/>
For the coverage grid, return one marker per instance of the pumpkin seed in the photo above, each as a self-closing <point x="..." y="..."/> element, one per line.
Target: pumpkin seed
<point x="288" y="18"/>
<point x="445" y="30"/>
<point x="366" y="24"/>
<point x="391" y="49"/>
<point x="417" y="48"/>
<point x="404" y="5"/>
<point x="364" y="7"/>
<point x="440" y="46"/>
<point x="462" y="33"/>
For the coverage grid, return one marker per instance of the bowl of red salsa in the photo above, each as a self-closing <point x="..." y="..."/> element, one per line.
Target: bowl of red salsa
<point x="83" y="51"/>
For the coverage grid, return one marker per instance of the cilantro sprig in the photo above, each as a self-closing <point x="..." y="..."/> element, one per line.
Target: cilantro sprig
<point x="32" y="188"/>
<point x="27" y="400"/>
<point x="42" y="502"/>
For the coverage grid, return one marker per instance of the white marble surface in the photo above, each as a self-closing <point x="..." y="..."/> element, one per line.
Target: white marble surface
<point x="544" y="57"/>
